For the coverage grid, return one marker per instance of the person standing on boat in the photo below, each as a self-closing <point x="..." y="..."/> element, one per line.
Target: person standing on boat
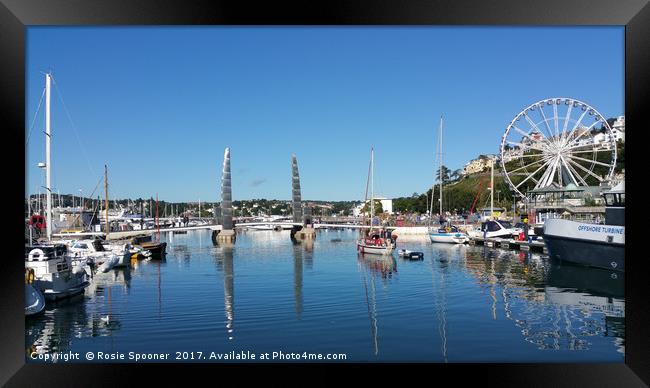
<point x="526" y="238"/>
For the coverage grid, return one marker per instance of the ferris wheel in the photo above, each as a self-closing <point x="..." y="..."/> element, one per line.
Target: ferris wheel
<point x="557" y="142"/>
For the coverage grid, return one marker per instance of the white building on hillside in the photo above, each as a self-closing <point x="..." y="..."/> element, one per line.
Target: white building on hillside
<point x="618" y="129"/>
<point x="476" y="165"/>
<point x="386" y="205"/>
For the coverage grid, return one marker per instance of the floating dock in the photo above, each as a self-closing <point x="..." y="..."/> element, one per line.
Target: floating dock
<point x="508" y="243"/>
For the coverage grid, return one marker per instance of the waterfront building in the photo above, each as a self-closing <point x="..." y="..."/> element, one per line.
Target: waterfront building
<point x="571" y="201"/>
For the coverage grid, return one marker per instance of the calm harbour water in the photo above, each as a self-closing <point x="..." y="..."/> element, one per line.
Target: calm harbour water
<point x="265" y="294"/>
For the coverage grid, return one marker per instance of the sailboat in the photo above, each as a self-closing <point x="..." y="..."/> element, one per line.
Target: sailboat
<point x="373" y="242"/>
<point x="448" y="233"/>
<point x="48" y="264"/>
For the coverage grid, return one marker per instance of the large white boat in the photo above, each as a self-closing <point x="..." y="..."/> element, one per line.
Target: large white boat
<point x="374" y="242"/>
<point x="52" y="271"/>
<point x="594" y="245"/>
<point x="492" y="229"/>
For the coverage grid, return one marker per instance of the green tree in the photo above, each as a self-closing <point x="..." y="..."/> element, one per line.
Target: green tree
<point x="444" y="171"/>
<point x="378" y="207"/>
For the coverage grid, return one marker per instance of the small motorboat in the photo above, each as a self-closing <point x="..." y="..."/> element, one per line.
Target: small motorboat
<point x="34" y="300"/>
<point x="405" y="253"/>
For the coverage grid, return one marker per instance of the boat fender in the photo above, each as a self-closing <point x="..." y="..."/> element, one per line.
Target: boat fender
<point x="29" y="276"/>
<point x="36" y="254"/>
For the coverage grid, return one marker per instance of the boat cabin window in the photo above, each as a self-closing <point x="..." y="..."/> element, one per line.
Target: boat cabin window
<point x="80" y="246"/>
<point x="493" y="227"/>
<point x="506" y="224"/>
<point x="614" y="199"/>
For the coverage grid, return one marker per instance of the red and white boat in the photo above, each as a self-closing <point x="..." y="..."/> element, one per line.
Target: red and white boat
<point x="373" y="242"/>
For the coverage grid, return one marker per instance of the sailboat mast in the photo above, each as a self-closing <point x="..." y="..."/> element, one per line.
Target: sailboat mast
<point x="157" y="220"/>
<point x="106" y="194"/>
<point x="29" y="216"/>
<point x="48" y="163"/>
<point x="492" y="189"/>
<point x="441" y="167"/>
<point x="372" y="185"/>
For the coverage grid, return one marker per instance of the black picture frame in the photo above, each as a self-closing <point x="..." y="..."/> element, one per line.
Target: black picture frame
<point x="15" y="15"/>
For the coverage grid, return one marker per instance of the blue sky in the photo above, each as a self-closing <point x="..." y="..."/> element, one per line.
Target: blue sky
<point x="159" y="105"/>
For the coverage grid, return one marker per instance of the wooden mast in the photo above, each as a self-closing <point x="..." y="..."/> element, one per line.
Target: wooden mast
<point x="157" y="223"/>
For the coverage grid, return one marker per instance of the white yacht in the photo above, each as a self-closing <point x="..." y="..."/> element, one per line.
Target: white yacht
<point x="492" y="229"/>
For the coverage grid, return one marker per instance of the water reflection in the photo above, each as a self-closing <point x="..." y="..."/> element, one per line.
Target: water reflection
<point x="375" y="266"/>
<point x="383" y="266"/>
<point x="115" y="277"/>
<point x="297" y="278"/>
<point x="55" y="329"/>
<point x="441" y="297"/>
<point x="555" y="306"/>
<point x="223" y="254"/>
<point x="182" y="251"/>
<point x="65" y="321"/>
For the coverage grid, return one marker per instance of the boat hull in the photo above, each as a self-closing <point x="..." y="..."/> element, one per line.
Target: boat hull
<point x="586" y="244"/>
<point x="157" y="249"/>
<point x="584" y="252"/>
<point x="449" y="238"/>
<point x="54" y="296"/>
<point x="374" y="250"/>
<point x="34" y="301"/>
